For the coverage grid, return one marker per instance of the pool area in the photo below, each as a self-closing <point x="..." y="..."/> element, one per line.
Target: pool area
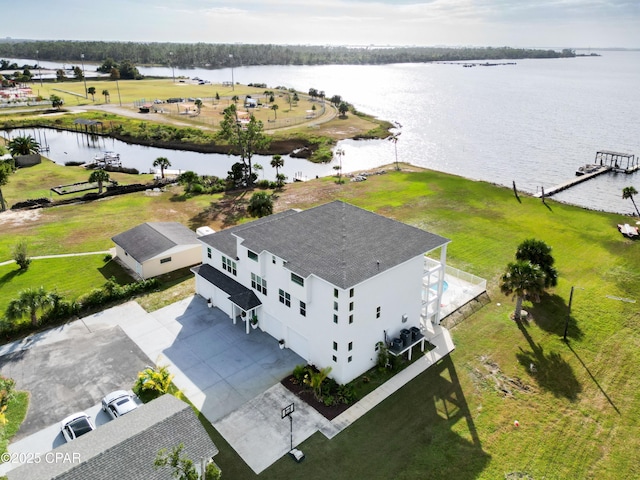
<point x="458" y="289"/>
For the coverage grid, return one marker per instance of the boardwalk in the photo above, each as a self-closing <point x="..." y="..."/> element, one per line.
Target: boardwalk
<point x="572" y="182"/>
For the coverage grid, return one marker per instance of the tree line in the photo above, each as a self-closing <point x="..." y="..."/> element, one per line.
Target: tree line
<point x="210" y="55"/>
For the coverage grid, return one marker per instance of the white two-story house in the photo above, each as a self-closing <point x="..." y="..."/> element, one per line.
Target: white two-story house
<point x="331" y="282"/>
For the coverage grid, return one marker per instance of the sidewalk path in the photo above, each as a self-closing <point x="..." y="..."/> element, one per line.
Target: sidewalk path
<point x="105" y="252"/>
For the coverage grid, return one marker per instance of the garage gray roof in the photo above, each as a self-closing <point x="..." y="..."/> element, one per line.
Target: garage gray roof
<point x="126" y="448"/>
<point x="150" y="239"/>
<point x="339" y="242"/>
<point x="242" y="296"/>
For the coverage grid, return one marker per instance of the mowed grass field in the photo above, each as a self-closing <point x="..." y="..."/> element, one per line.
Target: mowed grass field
<point x="577" y="403"/>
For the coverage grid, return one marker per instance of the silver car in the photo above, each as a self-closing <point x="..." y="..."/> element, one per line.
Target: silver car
<point x="76" y="425"/>
<point x="118" y="403"/>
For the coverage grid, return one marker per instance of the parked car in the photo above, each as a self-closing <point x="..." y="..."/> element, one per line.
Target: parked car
<point x="76" y="425"/>
<point x="118" y="403"/>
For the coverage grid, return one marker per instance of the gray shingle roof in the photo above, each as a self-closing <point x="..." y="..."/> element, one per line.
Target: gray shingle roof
<point x="339" y="242"/>
<point x="126" y="448"/>
<point x="153" y="238"/>
<point x="242" y="296"/>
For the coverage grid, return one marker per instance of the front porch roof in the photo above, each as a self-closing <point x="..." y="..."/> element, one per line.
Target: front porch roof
<point x="240" y="295"/>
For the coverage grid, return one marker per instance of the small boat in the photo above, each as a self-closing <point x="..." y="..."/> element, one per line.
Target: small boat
<point x="588" y="168"/>
<point x="627" y="230"/>
<point x="107" y="158"/>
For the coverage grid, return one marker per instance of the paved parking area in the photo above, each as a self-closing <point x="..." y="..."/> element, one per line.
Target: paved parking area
<point x="69" y="369"/>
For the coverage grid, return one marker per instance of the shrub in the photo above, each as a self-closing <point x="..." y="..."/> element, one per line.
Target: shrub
<point x="107" y="258"/>
<point x="263" y="184"/>
<point x="299" y="372"/>
<point x="20" y="255"/>
<point x="153" y="382"/>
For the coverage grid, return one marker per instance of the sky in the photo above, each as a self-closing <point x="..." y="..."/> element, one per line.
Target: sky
<point x="514" y="23"/>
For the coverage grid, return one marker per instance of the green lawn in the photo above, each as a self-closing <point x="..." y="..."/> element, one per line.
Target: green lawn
<point x="15" y="414"/>
<point x="70" y="277"/>
<point x="577" y="403"/>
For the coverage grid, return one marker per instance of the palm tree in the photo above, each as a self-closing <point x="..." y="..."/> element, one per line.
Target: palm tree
<point x="524" y="280"/>
<point x="92" y="91"/>
<point x="105" y="92"/>
<point x="99" y="176"/>
<point x="260" y="205"/>
<point x="163" y="163"/>
<point x="315" y="379"/>
<point x="277" y="162"/>
<point x="198" y="103"/>
<point x="275" y="107"/>
<point x="26" y="146"/>
<point x="394" y="138"/>
<point x="629" y="192"/>
<point x="235" y="99"/>
<point x="28" y="303"/>
<point x="539" y="253"/>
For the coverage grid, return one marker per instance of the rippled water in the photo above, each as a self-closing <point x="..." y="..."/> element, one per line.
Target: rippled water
<point x="533" y="123"/>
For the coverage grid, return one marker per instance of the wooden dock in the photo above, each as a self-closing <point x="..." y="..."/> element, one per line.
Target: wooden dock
<point x="574" y="181"/>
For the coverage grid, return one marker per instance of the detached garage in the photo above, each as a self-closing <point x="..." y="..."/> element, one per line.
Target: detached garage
<point x="155" y="248"/>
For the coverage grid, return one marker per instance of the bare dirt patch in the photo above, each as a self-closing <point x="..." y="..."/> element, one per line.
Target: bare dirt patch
<point x="13" y="218"/>
<point x="491" y="374"/>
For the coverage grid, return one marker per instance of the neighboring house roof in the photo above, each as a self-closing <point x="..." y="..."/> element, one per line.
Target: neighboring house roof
<point x="242" y="296"/>
<point x="126" y="448"/>
<point x="151" y="239"/>
<point x="339" y="242"/>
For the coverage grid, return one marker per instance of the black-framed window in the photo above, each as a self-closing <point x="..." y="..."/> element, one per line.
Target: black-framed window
<point x="284" y="297"/>
<point x="377" y="312"/>
<point x="303" y="309"/>
<point x="229" y="265"/>
<point x="252" y="255"/>
<point x="165" y="260"/>
<point x="258" y="283"/>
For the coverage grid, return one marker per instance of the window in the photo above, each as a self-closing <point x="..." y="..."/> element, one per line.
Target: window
<point x="252" y="255"/>
<point x="335" y="292"/>
<point x="335" y="346"/>
<point x="335" y="306"/>
<point x="208" y="252"/>
<point x="350" y="306"/>
<point x="377" y="312"/>
<point x="303" y="309"/>
<point x="350" y="346"/>
<point x="258" y="283"/>
<point x="229" y="265"/>
<point x="165" y="260"/>
<point x="335" y="318"/>
<point x="349" y="359"/>
<point x="335" y="359"/>
<point x="351" y="318"/>
<point x="351" y="292"/>
<point x="273" y="259"/>
<point x="285" y="298"/>
<point x="297" y="279"/>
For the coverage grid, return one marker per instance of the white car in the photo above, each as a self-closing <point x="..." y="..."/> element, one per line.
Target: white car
<point x="76" y="425"/>
<point x="118" y="403"/>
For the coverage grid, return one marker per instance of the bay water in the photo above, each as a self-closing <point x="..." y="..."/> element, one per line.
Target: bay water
<point x="533" y="122"/>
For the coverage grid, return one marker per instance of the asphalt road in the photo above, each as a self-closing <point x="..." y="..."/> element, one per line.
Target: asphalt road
<point x="72" y="374"/>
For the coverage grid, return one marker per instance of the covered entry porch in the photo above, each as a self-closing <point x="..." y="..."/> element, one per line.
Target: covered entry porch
<point x="222" y="291"/>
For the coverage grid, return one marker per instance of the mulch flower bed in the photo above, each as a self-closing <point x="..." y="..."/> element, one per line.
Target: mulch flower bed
<point x="305" y="394"/>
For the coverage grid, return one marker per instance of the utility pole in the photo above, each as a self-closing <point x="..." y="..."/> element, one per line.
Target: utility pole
<point x="233" y="84"/>
<point x="84" y="77"/>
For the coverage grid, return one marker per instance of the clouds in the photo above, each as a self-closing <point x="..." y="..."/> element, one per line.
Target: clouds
<point x="517" y="23"/>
